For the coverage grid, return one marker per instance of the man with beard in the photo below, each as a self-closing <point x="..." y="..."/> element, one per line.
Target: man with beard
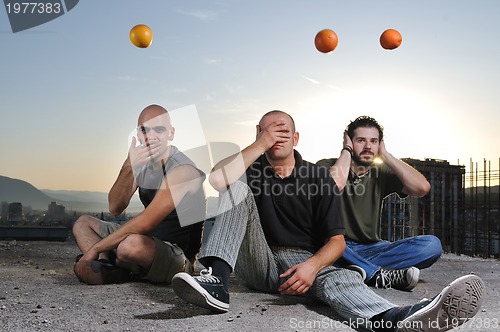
<point x="279" y="228"/>
<point x="365" y="184"/>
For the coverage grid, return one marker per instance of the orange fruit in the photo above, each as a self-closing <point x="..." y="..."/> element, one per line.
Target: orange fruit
<point x="326" y="40"/>
<point x="390" y="39"/>
<point x="141" y="36"/>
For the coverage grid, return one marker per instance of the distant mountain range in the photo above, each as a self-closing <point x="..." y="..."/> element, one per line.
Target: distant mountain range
<point x="14" y="190"/>
<point x="88" y="201"/>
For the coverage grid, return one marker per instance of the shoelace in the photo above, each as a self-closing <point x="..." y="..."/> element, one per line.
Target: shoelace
<point x="207" y="277"/>
<point x="387" y="278"/>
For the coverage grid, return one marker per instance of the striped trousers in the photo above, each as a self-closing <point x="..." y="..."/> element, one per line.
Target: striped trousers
<point x="237" y="238"/>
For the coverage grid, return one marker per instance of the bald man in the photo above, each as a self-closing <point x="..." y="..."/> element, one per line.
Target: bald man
<point x="166" y="236"/>
<point x="279" y="228"/>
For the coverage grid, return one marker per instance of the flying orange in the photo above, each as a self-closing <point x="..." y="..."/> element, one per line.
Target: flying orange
<point x="390" y="39"/>
<point x="326" y="40"/>
<point x="141" y="36"/>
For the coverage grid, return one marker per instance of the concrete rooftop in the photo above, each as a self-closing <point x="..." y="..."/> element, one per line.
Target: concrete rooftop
<point x="39" y="292"/>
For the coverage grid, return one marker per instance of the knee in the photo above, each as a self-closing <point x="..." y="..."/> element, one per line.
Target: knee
<point x="129" y="248"/>
<point x="81" y="224"/>
<point x="433" y="248"/>
<point x="237" y="193"/>
<point x="240" y="189"/>
<point x="434" y="245"/>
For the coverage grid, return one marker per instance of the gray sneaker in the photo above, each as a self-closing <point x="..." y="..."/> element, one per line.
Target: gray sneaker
<point x="455" y="305"/>
<point x="404" y="279"/>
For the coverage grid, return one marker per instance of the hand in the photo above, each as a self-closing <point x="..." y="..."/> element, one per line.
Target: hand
<point x="142" y="154"/>
<point x="276" y="132"/>
<point x="382" y="152"/>
<point x="347" y="140"/>
<point x="301" y="280"/>
<point x="90" y="255"/>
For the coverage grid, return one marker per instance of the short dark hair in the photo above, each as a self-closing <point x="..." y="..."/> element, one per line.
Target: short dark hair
<point x="365" y="121"/>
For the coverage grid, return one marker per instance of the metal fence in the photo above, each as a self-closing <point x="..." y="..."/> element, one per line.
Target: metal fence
<point x="462" y="209"/>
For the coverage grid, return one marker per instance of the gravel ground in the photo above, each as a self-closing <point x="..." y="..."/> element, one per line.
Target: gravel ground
<point x="39" y="292"/>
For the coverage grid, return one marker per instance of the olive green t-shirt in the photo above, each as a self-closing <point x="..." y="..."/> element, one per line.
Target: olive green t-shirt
<point x="362" y="199"/>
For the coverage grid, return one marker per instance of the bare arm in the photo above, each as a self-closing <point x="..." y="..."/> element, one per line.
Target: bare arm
<point x="340" y="170"/>
<point x="414" y="183"/>
<point x="304" y="274"/>
<point x="178" y="183"/>
<point x="124" y="187"/>
<point x="230" y="169"/>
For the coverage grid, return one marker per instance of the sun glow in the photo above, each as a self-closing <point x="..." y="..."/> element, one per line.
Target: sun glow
<point x="408" y="120"/>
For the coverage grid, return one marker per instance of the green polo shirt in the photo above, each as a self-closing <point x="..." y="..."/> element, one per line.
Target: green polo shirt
<point x="362" y="198"/>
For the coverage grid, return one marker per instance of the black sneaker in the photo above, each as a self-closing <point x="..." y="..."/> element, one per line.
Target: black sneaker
<point x="404" y="279"/>
<point x="205" y="290"/>
<point x="456" y="304"/>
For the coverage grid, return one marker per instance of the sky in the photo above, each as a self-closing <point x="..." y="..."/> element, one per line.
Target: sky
<point x="72" y="88"/>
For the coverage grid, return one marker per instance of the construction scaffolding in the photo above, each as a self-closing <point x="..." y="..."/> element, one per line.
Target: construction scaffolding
<point x="461" y="209"/>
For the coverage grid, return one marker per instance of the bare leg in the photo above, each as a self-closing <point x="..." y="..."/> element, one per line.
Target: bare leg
<point x="136" y="253"/>
<point x="86" y="232"/>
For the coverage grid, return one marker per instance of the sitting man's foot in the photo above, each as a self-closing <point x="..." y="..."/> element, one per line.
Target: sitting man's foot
<point x="99" y="272"/>
<point x="455" y="305"/>
<point x="205" y="290"/>
<point x="404" y="279"/>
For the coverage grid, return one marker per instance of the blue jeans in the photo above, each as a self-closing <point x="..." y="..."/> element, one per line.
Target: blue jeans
<point x="420" y="251"/>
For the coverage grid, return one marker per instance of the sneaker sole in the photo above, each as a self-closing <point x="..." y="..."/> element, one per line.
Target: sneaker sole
<point x="457" y="302"/>
<point x="190" y="291"/>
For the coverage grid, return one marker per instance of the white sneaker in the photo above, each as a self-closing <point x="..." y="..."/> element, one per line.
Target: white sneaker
<point x="455" y="305"/>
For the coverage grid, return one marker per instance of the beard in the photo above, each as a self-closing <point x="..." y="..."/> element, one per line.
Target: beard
<point x="358" y="161"/>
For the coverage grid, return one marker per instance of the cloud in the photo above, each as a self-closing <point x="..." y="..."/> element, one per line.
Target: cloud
<point x="211" y="61"/>
<point x="126" y="78"/>
<point x="336" y="88"/>
<point x="317" y="82"/>
<point x="310" y="79"/>
<point x="200" y="15"/>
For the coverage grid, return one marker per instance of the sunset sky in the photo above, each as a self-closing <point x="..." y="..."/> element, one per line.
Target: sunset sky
<point x="71" y="89"/>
